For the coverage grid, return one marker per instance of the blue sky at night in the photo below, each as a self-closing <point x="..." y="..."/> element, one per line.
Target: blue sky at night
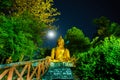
<point x="80" y="13"/>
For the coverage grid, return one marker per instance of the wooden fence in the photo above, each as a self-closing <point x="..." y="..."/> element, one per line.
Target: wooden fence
<point x="27" y="70"/>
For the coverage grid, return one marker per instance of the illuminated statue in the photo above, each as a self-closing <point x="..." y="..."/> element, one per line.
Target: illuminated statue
<point x="60" y="53"/>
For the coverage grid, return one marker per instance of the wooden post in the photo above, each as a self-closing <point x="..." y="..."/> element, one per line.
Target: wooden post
<point x="38" y="73"/>
<point x="4" y="73"/>
<point x="28" y="74"/>
<point x="10" y="75"/>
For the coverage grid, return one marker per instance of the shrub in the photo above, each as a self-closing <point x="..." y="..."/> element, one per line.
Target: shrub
<point x="101" y="62"/>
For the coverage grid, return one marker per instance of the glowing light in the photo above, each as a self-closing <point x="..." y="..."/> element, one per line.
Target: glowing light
<point x="51" y="34"/>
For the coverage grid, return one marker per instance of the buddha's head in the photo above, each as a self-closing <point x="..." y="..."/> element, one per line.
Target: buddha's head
<point x="60" y="42"/>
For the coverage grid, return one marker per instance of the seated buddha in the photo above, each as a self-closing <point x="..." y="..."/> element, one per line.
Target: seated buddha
<point x="60" y="53"/>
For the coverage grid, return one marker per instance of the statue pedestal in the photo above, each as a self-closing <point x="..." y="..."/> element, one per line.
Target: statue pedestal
<point x="59" y="71"/>
<point x="61" y="64"/>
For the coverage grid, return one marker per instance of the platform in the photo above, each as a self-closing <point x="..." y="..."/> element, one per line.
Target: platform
<point x="59" y="71"/>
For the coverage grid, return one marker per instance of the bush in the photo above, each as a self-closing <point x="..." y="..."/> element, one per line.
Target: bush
<point x="101" y="62"/>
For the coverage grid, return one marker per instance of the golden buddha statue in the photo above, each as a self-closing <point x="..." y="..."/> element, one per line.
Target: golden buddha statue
<point x="60" y="53"/>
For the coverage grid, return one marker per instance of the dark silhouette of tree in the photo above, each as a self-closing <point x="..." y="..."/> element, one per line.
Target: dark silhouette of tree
<point x="106" y="27"/>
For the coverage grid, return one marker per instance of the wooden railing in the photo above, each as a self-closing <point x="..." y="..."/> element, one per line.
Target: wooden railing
<point x="28" y="70"/>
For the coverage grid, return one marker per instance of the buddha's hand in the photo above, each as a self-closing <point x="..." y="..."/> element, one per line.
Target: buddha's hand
<point x="48" y="57"/>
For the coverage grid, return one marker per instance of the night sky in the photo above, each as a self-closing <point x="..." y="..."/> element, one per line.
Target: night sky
<point x="80" y="13"/>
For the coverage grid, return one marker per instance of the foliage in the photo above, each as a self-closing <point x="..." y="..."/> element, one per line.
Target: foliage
<point x="101" y="62"/>
<point x="22" y="25"/>
<point x="106" y="27"/>
<point x="42" y="10"/>
<point x="114" y="29"/>
<point x="5" y="6"/>
<point x="42" y="53"/>
<point x="77" y="40"/>
<point x="19" y="37"/>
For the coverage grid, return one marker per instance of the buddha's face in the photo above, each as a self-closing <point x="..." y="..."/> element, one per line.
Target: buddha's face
<point x="60" y="43"/>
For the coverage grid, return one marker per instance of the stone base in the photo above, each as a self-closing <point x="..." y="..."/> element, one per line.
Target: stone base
<point x="58" y="71"/>
<point x="61" y="64"/>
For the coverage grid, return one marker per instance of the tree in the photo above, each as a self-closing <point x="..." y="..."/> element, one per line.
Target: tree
<point x="6" y="6"/>
<point x="77" y="40"/>
<point x="106" y="27"/>
<point x="19" y="37"/>
<point x="42" y="10"/>
<point x="102" y="24"/>
<point x="22" y="24"/>
<point x="101" y="62"/>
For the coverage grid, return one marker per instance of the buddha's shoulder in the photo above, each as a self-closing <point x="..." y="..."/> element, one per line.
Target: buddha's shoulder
<point x="53" y="48"/>
<point x="66" y="49"/>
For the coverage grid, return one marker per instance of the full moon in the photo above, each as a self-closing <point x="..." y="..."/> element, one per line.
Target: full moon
<point x="51" y="34"/>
